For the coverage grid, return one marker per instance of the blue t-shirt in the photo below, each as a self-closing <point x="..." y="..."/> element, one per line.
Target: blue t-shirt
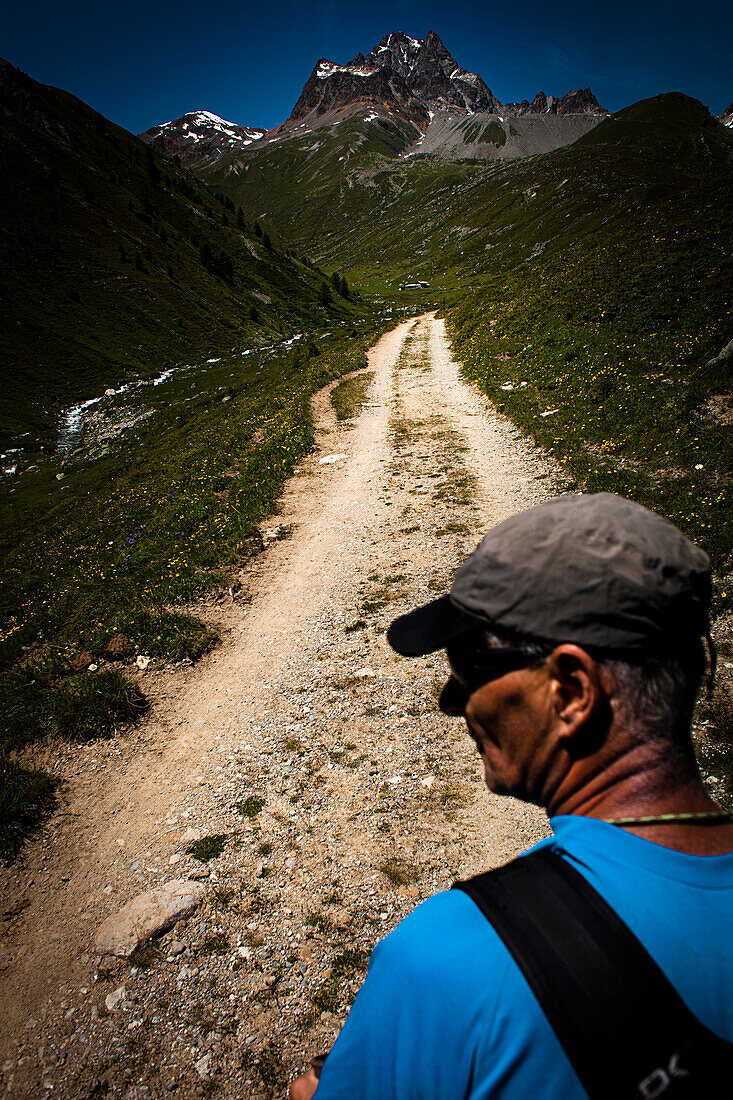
<point x="445" y="1012"/>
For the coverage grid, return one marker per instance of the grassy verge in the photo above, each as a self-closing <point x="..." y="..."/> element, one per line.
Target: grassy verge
<point x="27" y="797"/>
<point x="348" y="397"/>
<point x="106" y="552"/>
<point x="605" y="356"/>
<point x="39" y="701"/>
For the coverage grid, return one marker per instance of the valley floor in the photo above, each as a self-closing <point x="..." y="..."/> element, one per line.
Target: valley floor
<point x="342" y="796"/>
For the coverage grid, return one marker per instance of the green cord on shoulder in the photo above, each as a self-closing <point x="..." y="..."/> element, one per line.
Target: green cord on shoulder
<point x="712" y="818"/>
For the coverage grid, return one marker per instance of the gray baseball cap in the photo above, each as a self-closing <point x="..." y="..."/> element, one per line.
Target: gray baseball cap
<point x="594" y="569"/>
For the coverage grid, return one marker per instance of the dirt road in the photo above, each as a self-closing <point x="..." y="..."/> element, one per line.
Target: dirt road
<point x="340" y="794"/>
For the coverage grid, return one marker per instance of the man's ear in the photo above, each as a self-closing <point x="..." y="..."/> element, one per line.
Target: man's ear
<point x="579" y="699"/>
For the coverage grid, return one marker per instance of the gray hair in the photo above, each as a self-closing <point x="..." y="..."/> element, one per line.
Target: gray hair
<point x="655" y="695"/>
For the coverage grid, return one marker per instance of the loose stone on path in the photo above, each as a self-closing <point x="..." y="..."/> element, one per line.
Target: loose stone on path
<point x="147" y="916"/>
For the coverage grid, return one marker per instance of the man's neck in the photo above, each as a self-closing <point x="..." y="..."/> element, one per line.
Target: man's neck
<point x="645" y="781"/>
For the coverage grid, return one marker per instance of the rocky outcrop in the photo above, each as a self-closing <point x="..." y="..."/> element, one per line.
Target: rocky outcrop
<point x="331" y="87"/>
<point x="413" y="79"/>
<point x="727" y="116"/>
<point x="578" y="102"/>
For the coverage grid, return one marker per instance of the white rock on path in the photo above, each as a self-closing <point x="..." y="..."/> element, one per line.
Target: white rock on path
<point x="113" y="1001"/>
<point x="191" y="836"/>
<point x="203" y="1066"/>
<point x="147" y="915"/>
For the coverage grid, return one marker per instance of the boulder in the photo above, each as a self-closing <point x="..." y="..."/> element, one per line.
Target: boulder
<point x="148" y="915"/>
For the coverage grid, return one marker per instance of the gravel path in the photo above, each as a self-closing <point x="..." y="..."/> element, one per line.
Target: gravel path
<point x="340" y="794"/>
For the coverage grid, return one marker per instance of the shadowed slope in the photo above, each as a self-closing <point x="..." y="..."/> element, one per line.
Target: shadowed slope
<point x="113" y="261"/>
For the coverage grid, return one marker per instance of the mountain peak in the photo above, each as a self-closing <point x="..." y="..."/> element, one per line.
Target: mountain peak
<point x="432" y="74"/>
<point x="199" y="137"/>
<point x="581" y="101"/>
<point x="399" y="38"/>
<point x="412" y="79"/>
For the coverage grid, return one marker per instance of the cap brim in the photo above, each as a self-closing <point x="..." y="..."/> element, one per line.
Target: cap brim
<point x="429" y="628"/>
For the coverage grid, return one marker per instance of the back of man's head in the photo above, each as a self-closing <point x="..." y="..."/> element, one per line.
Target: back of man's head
<point x="599" y="571"/>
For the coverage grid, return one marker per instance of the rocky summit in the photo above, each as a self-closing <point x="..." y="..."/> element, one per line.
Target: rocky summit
<point x="432" y="73"/>
<point x="416" y="78"/>
<point x="200" y="137"/>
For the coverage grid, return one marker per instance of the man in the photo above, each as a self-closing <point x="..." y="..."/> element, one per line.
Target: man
<point x="574" y="635"/>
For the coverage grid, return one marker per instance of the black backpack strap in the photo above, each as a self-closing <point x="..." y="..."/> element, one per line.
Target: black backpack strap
<point x="622" y="1024"/>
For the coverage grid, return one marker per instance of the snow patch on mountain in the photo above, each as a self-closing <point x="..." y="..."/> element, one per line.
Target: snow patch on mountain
<point x="200" y="135"/>
<point x="327" y="68"/>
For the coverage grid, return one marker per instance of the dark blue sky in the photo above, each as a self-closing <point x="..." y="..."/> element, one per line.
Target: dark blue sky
<point x="141" y="63"/>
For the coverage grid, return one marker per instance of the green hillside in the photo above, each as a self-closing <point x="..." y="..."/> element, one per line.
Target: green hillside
<point x="316" y="187"/>
<point x="115" y="263"/>
<point x="602" y="328"/>
<point x="598" y="274"/>
<point x="373" y="211"/>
